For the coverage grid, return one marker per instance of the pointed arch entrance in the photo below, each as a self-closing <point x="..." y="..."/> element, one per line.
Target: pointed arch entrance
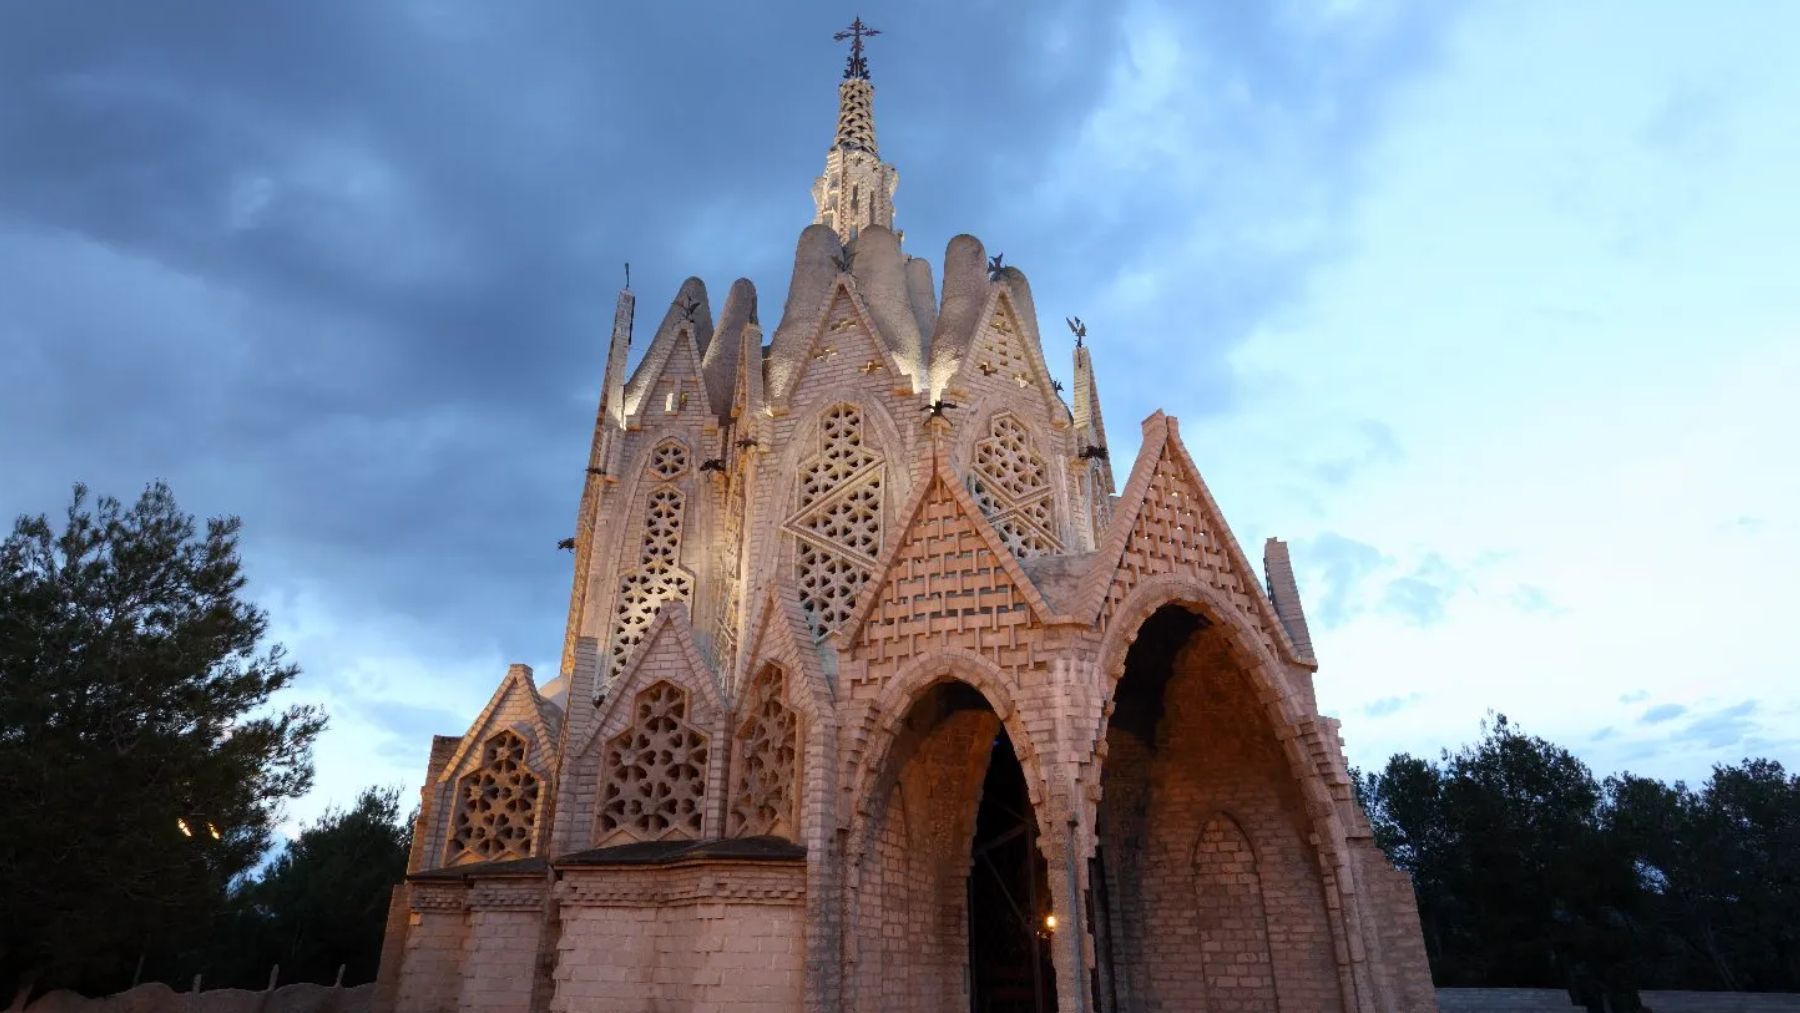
<point x="1206" y="849"/>
<point x="949" y="895"/>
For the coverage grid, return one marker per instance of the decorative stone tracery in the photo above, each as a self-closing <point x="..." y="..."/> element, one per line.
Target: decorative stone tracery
<point x="656" y="579"/>
<point x="1012" y="485"/>
<point x="668" y="460"/>
<point x="496" y="805"/>
<point x="767" y="743"/>
<point x="837" y="519"/>
<point x="654" y="773"/>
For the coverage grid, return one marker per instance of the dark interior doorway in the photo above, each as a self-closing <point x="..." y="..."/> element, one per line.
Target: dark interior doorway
<point x="1010" y="926"/>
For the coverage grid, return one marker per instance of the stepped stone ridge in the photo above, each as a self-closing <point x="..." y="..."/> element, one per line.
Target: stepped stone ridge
<point x="878" y="693"/>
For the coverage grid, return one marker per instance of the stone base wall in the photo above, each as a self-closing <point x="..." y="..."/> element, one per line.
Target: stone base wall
<point x="160" y="998"/>
<point x="469" y="947"/>
<point x="695" y="937"/>
<point x="1556" y="1000"/>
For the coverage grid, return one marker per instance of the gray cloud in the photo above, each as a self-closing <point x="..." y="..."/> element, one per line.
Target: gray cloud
<point x="1347" y="563"/>
<point x="1377" y="444"/>
<point x="1722" y="727"/>
<point x="1392" y="704"/>
<point x="1531" y="598"/>
<point x="1422" y="596"/>
<point x="1661" y="713"/>
<point x="1635" y="696"/>
<point x="345" y="269"/>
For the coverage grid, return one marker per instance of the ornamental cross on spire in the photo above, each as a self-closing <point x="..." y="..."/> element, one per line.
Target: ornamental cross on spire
<point x="856" y="33"/>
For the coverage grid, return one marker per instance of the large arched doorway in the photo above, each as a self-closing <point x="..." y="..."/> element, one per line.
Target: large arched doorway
<point x="1011" y="922"/>
<point x="1207" y="892"/>
<point x="948" y="905"/>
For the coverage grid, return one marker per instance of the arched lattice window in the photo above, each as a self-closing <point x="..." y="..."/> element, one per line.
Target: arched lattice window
<point x="767" y="743"/>
<point x="656" y="578"/>
<point x="837" y="519"/>
<point x="654" y="773"/>
<point x="1011" y="483"/>
<point x="496" y="805"/>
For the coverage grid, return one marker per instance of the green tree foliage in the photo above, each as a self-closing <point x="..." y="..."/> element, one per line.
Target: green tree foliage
<point x="322" y="904"/>
<point x="141" y="764"/>
<point x="1530" y="872"/>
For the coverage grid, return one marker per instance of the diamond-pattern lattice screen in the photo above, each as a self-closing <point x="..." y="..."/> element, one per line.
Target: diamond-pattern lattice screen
<point x="1011" y="484"/>
<point x="496" y="805"/>
<point x="763" y="790"/>
<point x="837" y="519"/>
<point x="656" y="579"/>
<point x="654" y="773"/>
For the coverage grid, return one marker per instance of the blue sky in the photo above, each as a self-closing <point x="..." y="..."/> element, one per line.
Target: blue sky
<point x="1488" y="308"/>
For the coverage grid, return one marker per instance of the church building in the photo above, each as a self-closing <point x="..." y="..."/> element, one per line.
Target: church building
<point x="877" y="693"/>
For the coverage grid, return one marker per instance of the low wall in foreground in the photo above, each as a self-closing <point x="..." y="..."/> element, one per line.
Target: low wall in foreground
<point x="159" y="998"/>
<point x="1555" y="1000"/>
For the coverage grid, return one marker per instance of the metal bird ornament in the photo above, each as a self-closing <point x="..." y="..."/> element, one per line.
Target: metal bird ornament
<point x="745" y="443"/>
<point x="688" y="307"/>
<point x="1056" y="385"/>
<point x="843" y="260"/>
<point x="1093" y="453"/>
<point x="1078" y="327"/>
<point x="936" y="409"/>
<point x="599" y="472"/>
<point x="567" y="544"/>
<point x="713" y="464"/>
<point x="996" y="264"/>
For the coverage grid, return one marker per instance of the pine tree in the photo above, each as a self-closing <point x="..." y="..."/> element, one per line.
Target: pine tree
<point x="141" y="765"/>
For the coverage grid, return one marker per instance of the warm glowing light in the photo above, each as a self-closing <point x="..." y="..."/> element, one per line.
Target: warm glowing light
<point x="1050" y="922"/>
<point x="182" y="825"/>
<point x="214" y="831"/>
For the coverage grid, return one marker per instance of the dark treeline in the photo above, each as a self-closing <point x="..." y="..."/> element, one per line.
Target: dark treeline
<point x="144" y="764"/>
<point x="1530" y="872"/>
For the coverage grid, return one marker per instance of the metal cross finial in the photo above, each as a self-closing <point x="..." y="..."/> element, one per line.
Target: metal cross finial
<point x="856" y="33"/>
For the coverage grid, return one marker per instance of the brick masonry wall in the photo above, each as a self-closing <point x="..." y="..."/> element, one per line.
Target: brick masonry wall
<point x="691" y="937"/>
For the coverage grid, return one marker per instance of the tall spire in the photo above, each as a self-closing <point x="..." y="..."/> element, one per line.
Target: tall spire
<point x="857" y="187"/>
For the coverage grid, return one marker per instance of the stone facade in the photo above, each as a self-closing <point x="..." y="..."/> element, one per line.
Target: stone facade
<point x="875" y="696"/>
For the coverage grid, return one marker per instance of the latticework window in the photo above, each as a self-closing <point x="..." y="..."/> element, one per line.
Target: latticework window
<point x="763" y="790"/>
<point x="496" y="805"/>
<point x="668" y="460"/>
<point x="1012" y="485"/>
<point x="837" y="520"/>
<point x="654" y="773"/>
<point x="656" y="579"/>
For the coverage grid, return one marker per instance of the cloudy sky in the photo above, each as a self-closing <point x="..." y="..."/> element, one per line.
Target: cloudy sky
<point x="1489" y="308"/>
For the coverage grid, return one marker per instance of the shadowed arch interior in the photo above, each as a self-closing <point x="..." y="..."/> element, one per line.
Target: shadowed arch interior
<point x="1203" y="851"/>
<point x="952" y="887"/>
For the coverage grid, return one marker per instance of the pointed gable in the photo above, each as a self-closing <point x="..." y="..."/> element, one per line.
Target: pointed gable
<point x="669" y="380"/>
<point x="653" y="754"/>
<point x="845" y="350"/>
<point x="1003" y="356"/>
<point x="1168" y="523"/>
<point x="947" y="578"/>
<point x="515" y="706"/>
<point x="488" y="794"/>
